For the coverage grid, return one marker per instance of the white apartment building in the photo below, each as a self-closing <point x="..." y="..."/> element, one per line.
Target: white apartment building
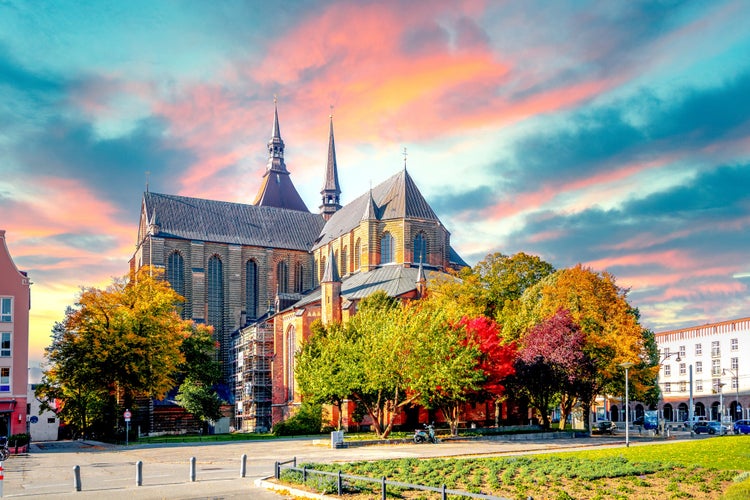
<point x="710" y="361"/>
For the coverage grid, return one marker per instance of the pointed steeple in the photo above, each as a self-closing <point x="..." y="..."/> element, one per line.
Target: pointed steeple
<point x="277" y="189"/>
<point x="276" y="144"/>
<point x="331" y="272"/>
<point x="331" y="192"/>
<point x="371" y="210"/>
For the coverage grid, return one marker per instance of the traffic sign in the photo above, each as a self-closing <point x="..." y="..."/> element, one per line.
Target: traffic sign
<point x="127" y="415"/>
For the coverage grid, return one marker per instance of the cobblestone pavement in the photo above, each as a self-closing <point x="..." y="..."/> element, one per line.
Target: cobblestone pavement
<point x="110" y="471"/>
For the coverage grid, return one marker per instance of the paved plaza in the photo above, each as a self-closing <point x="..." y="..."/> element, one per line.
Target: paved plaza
<point x="109" y="471"/>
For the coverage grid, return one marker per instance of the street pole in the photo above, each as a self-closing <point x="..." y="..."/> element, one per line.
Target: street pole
<point x="627" y="366"/>
<point x="690" y="407"/>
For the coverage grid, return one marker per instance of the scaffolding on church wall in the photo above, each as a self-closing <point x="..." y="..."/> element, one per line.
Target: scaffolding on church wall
<point x="253" y="382"/>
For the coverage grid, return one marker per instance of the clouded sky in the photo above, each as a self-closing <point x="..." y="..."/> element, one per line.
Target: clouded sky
<point x="615" y="134"/>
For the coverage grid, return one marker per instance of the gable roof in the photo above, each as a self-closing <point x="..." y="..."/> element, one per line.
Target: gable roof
<point x="395" y="198"/>
<point x="235" y="223"/>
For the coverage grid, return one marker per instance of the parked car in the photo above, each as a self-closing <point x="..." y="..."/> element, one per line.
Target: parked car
<point x="690" y="422"/>
<point x="711" y="427"/>
<point x="742" y="427"/>
<point x="606" y="427"/>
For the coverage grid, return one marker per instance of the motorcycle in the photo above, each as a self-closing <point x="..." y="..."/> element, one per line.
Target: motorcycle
<point x="426" y="434"/>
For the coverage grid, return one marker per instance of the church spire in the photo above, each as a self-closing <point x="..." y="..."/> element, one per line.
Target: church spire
<point x="277" y="189"/>
<point x="276" y="144"/>
<point x="331" y="192"/>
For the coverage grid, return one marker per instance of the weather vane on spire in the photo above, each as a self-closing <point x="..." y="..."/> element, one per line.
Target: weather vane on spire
<point x="405" y="155"/>
<point x="148" y="173"/>
<point x="331" y="115"/>
<point x="275" y="100"/>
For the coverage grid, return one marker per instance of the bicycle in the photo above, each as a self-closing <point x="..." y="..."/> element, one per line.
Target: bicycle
<point x="4" y="450"/>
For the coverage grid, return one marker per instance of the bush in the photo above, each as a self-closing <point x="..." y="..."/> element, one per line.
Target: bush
<point x="308" y="420"/>
<point x="19" y="440"/>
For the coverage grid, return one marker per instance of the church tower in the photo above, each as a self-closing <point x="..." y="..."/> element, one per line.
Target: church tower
<point x="277" y="189"/>
<point x="331" y="191"/>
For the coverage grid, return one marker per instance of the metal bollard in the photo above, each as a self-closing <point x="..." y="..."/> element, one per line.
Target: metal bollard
<point x="139" y="473"/>
<point x="243" y="465"/>
<point x="443" y="494"/>
<point x="339" y="484"/>
<point x="276" y="471"/>
<point x="192" y="469"/>
<point x="77" y="478"/>
<point x="382" y="488"/>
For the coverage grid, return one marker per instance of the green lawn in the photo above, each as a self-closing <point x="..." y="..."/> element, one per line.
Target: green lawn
<point x="701" y="468"/>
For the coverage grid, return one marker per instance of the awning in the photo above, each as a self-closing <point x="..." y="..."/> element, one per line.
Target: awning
<point x="7" y="406"/>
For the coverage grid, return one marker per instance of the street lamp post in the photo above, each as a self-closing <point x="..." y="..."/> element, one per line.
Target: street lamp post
<point x="627" y="366"/>
<point x="736" y="377"/>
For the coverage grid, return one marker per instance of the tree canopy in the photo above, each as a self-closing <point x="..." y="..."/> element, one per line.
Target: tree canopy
<point x="115" y="345"/>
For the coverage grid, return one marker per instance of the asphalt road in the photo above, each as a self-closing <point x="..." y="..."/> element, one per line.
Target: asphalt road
<point x="109" y="471"/>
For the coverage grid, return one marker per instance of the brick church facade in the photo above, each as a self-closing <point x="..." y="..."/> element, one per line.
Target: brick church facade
<point x="261" y="273"/>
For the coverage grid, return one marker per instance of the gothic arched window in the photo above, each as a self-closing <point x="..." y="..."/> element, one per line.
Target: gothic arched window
<point x="321" y="268"/>
<point x="291" y="350"/>
<point x="282" y="277"/>
<point x="344" y="268"/>
<point x="299" y="276"/>
<point x="386" y="248"/>
<point x="176" y="277"/>
<point x="357" y="250"/>
<point x="251" y="289"/>
<point x="215" y="296"/>
<point x="420" y="248"/>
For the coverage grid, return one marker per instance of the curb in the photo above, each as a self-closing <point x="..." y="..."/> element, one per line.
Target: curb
<point x="287" y="490"/>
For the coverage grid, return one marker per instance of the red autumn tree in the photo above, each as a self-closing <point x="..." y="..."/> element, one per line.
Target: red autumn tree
<point x="552" y="364"/>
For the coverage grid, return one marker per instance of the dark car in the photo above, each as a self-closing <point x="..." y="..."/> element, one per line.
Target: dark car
<point x="606" y="427"/>
<point x="711" y="427"/>
<point x="742" y="427"/>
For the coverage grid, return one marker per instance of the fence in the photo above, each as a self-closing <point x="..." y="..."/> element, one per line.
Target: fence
<point x="340" y="482"/>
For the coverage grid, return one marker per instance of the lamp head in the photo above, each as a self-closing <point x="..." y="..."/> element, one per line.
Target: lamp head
<point x="627" y="364"/>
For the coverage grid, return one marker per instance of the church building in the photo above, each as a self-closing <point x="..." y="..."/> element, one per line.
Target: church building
<point x="261" y="273"/>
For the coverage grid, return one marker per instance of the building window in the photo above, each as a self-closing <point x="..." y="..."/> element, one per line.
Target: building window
<point x="344" y="268"/>
<point x="682" y="351"/>
<point x="299" y="276"/>
<point x="51" y="420"/>
<point x="666" y="352"/>
<point x="5" y="344"/>
<point x="699" y="385"/>
<point x="735" y="364"/>
<point x="667" y="370"/>
<point x="683" y="369"/>
<point x="291" y="347"/>
<point x="715" y="351"/>
<point x="716" y="367"/>
<point x="6" y="309"/>
<point x="698" y="349"/>
<point x="251" y="289"/>
<point x="386" y="248"/>
<point x="734" y="382"/>
<point x="699" y="367"/>
<point x="282" y="277"/>
<point x="734" y="343"/>
<point x="357" y="251"/>
<point x="176" y="278"/>
<point x="215" y="296"/>
<point x="322" y="268"/>
<point x="420" y="248"/>
<point x="683" y="386"/>
<point x="5" y="379"/>
<point x="716" y="384"/>
<point x="667" y="387"/>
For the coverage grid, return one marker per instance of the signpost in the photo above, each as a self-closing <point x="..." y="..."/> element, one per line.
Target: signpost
<point x="127" y="416"/>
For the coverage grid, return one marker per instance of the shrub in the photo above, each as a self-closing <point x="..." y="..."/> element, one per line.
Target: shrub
<point x="307" y="420"/>
<point x="19" y="439"/>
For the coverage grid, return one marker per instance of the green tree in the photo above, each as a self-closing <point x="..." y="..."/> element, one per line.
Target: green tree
<point x="323" y="369"/>
<point x="200" y="400"/>
<point x="116" y="344"/>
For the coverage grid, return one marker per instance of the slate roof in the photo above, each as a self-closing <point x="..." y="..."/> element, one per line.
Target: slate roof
<point x="277" y="190"/>
<point x="396" y="198"/>
<point x="234" y="223"/>
<point x="394" y="280"/>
